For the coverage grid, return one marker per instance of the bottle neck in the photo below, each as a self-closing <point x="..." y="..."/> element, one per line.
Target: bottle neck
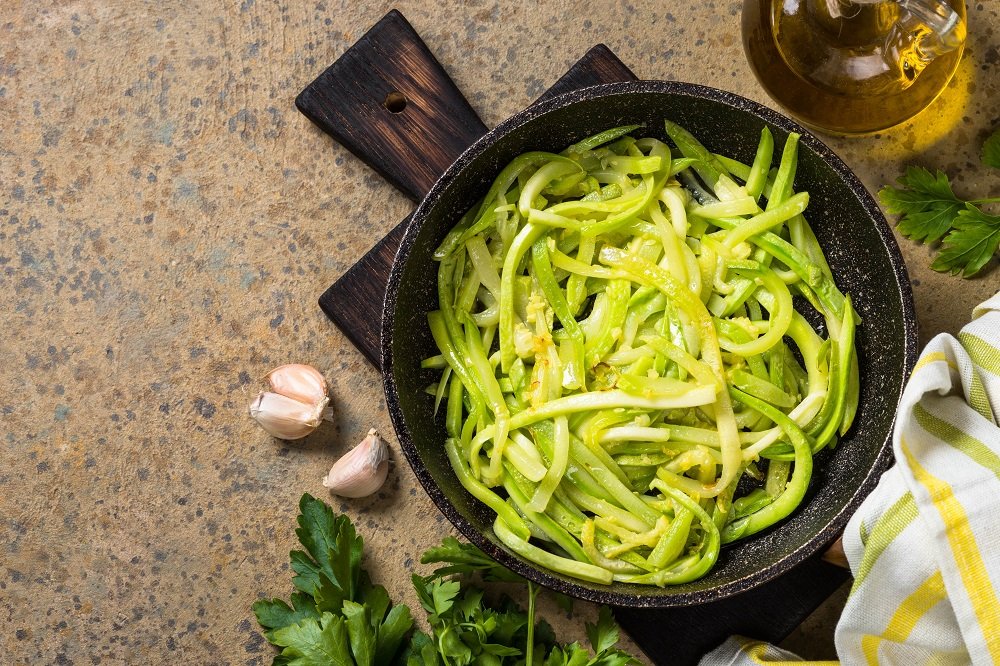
<point x="854" y="23"/>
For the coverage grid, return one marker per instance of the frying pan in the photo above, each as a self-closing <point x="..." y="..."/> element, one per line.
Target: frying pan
<point x="859" y="246"/>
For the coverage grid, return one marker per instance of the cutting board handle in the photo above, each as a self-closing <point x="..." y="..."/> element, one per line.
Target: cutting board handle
<point x="389" y="101"/>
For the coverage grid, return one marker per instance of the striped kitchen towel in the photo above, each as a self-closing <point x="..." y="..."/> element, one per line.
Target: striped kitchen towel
<point x="924" y="547"/>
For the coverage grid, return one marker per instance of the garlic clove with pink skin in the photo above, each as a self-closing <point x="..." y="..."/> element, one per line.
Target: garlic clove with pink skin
<point x="296" y="403"/>
<point x="299" y="382"/>
<point x="362" y="470"/>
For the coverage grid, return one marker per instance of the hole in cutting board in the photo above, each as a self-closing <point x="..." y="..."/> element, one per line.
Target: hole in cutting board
<point x="395" y="102"/>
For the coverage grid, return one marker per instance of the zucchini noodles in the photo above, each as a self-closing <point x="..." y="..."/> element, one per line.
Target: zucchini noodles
<point x="628" y="383"/>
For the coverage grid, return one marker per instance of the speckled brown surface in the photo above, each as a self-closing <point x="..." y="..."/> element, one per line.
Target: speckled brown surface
<point x="167" y="221"/>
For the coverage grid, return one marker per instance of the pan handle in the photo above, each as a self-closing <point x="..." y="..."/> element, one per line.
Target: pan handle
<point x="389" y="101"/>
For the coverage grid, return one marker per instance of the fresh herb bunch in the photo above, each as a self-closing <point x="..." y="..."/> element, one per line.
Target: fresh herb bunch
<point x="931" y="212"/>
<point x="468" y="631"/>
<point x="337" y="617"/>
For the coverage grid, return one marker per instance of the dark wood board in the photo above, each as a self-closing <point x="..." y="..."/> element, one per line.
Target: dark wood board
<point x="410" y="138"/>
<point x="354" y="301"/>
<point x="598" y="65"/>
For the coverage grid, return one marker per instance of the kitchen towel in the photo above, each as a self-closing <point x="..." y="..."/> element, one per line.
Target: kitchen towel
<point x="924" y="547"/>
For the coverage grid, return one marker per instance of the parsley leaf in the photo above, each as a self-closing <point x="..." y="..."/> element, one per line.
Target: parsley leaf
<point x="464" y="558"/>
<point x="603" y="638"/>
<point x="991" y="150"/>
<point x="331" y="566"/>
<point x="930" y="212"/>
<point x="443" y="595"/>
<point x="315" y="642"/>
<point x="971" y="244"/>
<point x="573" y="654"/>
<point x="422" y="651"/>
<point x="360" y="632"/>
<point x="275" y="613"/>
<point x="604" y="634"/>
<point x="925" y="201"/>
<point x="375" y="598"/>
<point x="391" y="634"/>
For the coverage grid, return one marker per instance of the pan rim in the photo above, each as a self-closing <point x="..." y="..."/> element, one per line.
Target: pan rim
<point x="658" y="598"/>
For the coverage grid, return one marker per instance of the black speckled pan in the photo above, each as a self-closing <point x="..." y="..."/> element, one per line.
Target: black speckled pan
<point x="861" y="251"/>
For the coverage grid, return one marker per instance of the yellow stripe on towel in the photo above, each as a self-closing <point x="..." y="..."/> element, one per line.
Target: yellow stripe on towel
<point x="962" y="540"/>
<point x="757" y="652"/>
<point x="934" y="357"/>
<point x="902" y="622"/>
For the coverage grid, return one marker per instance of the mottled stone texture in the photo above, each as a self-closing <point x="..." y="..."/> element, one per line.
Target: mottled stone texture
<point x="167" y="221"/>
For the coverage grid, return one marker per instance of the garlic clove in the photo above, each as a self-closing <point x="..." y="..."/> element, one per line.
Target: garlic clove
<point x="296" y="403"/>
<point x="362" y="470"/>
<point x="299" y="382"/>
<point x="284" y="417"/>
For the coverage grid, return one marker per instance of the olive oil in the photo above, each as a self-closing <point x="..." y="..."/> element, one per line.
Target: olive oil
<point x="853" y="66"/>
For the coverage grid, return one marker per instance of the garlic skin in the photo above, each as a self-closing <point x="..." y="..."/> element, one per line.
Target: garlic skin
<point x="362" y="470"/>
<point x="299" y="382"/>
<point x="296" y="403"/>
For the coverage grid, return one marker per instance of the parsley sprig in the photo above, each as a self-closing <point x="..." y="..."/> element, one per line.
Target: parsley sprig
<point x="337" y="617"/>
<point x="467" y="630"/>
<point x="931" y="212"/>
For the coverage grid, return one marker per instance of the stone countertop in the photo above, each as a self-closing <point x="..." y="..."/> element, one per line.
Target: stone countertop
<point x="167" y="222"/>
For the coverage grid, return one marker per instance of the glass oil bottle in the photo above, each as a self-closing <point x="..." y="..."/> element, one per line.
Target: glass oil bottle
<point x="854" y="66"/>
